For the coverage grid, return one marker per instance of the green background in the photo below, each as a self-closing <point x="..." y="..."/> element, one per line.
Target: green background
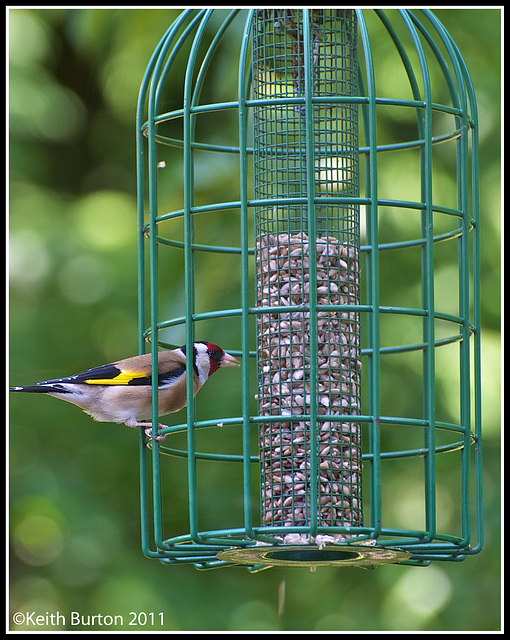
<point x="74" y="76"/>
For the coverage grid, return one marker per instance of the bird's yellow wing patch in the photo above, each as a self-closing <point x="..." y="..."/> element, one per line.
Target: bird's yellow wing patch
<point x="122" y="377"/>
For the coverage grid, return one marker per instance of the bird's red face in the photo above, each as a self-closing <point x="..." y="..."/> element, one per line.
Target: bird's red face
<point x="218" y="358"/>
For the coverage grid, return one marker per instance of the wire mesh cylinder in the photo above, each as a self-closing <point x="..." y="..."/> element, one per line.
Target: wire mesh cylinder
<point x="307" y="267"/>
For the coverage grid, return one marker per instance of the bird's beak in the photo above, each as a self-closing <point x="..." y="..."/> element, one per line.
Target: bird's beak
<point x="229" y="361"/>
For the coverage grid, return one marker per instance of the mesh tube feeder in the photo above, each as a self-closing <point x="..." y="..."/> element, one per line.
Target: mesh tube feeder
<point x="307" y="267"/>
<point x="319" y="231"/>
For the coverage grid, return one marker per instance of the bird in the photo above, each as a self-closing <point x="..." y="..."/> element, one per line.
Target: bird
<point x="121" y="392"/>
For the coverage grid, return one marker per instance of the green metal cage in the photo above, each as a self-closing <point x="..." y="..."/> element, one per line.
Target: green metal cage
<point x="356" y="429"/>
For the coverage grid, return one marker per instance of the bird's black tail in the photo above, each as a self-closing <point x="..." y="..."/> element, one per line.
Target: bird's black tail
<point x="41" y="388"/>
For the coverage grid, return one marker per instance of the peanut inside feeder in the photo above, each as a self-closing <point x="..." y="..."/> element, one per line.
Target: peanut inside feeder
<point x="284" y="382"/>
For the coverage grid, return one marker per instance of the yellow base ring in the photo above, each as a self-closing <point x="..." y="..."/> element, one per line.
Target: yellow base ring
<point x="313" y="556"/>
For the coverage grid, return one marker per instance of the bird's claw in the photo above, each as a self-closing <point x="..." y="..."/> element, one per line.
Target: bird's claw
<point x="148" y="433"/>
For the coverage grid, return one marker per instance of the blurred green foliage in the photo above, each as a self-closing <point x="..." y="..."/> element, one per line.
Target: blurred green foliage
<point x="74" y="76"/>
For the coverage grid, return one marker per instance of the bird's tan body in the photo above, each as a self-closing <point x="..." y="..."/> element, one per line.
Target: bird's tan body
<point x="121" y="403"/>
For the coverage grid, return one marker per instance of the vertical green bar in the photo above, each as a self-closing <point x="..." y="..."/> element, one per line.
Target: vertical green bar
<point x="153" y="271"/>
<point x="309" y="72"/>
<point x="372" y="279"/>
<point x="189" y="269"/>
<point x="427" y="280"/>
<point x="477" y="391"/>
<point x="244" y="88"/>
<point x="140" y="144"/>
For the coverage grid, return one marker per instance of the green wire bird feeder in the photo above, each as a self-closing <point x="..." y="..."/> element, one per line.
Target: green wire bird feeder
<point x="355" y="264"/>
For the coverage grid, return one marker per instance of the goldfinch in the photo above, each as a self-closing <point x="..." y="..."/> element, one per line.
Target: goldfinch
<point x="122" y="391"/>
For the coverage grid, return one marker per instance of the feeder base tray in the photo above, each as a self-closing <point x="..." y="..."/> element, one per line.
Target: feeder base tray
<point x="314" y="556"/>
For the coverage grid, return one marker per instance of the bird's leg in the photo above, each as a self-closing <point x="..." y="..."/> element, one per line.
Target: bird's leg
<point x="131" y="422"/>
